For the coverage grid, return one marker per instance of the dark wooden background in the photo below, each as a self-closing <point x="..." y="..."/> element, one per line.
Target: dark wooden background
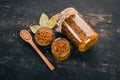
<point x="19" y="61"/>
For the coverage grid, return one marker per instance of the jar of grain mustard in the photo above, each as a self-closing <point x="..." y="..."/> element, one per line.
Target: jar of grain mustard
<point x="72" y="24"/>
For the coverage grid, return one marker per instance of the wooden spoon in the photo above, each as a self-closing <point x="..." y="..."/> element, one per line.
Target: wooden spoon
<point x="25" y="35"/>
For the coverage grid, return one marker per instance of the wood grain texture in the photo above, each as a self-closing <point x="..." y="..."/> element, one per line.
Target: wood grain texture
<point x="18" y="60"/>
<point x="26" y="36"/>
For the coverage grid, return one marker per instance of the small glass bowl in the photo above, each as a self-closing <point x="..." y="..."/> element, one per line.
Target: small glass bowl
<point x="44" y="36"/>
<point x="60" y="49"/>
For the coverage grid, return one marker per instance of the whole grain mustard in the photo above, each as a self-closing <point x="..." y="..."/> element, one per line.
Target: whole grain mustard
<point x="75" y="27"/>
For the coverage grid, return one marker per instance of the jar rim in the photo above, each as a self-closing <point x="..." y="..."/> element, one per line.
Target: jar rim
<point x="64" y="14"/>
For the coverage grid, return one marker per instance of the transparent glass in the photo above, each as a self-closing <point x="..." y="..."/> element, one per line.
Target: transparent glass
<point x="77" y="29"/>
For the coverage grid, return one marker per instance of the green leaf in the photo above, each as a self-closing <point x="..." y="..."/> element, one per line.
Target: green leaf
<point x="52" y="22"/>
<point x="34" y="28"/>
<point x="43" y="20"/>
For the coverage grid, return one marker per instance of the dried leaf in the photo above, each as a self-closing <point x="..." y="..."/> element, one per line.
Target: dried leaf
<point x="43" y="20"/>
<point x="52" y="21"/>
<point x="34" y="28"/>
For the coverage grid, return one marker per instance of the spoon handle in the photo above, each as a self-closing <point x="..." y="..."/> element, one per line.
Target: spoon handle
<point x="42" y="56"/>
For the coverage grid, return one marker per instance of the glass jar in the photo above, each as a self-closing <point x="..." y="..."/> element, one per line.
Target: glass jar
<point x="60" y="49"/>
<point x="72" y="24"/>
<point x="44" y="36"/>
